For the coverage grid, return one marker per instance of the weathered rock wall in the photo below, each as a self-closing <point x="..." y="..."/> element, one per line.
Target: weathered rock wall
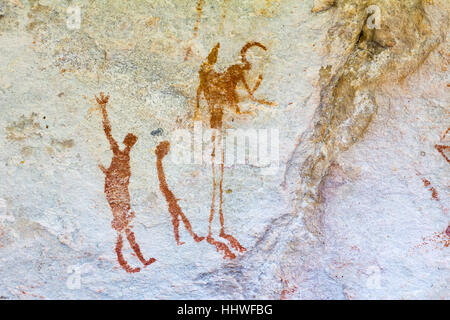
<point x="353" y="95"/>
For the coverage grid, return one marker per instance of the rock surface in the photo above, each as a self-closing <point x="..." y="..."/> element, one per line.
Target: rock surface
<point x="352" y="95"/>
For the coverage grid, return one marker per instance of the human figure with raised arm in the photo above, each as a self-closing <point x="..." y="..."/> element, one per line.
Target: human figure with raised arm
<point x="117" y="180"/>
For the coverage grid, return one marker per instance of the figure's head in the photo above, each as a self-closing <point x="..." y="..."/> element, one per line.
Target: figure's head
<point x="130" y="140"/>
<point x="162" y="149"/>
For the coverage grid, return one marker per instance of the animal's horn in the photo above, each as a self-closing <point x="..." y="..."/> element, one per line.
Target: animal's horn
<point x="248" y="46"/>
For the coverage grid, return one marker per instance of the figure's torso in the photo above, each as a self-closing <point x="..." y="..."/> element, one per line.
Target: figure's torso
<point x="118" y="178"/>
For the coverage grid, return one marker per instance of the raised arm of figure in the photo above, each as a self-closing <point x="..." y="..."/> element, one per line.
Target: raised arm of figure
<point x="102" y="101"/>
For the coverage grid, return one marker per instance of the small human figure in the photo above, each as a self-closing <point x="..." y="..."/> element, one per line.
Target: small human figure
<point x="117" y="180"/>
<point x="174" y="209"/>
<point x="220" y="91"/>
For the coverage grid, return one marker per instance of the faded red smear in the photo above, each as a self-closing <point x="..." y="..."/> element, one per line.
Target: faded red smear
<point x="221" y="247"/>
<point x="441" y="150"/>
<point x="35" y="296"/>
<point x="199" y="9"/>
<point x="287" y="290"/>
<point x="434" y="193"/>
<point x="174" y="209"/>
<point x="117" y="180"/>
<point x="438" y="239"/>
<point x="188" y="54"/>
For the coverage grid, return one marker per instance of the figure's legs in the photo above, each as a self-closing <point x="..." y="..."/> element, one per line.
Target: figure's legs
<point x="188" y="227"/>
<point x="220" y="246"/>
<point x="213" y="156"/>
<point x="136" y="249"/>
<point x="123" y="263"/>
<point x="130" y="216"/>
<point x="176" y="226"/>
<point x="233" y="241"/>
<point x="174" y="209"/>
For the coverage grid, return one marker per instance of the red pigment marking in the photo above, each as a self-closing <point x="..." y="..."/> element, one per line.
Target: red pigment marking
<point x="117" y="180"/>
<point x="137" y="249"/>
<point x="434" y="193"/>
<point x="199" y="9"/>
<point x="174" y="209"/>
<point x="445" y="134"/>
<point x="287" y="290"/>
<point x="441" y="238"/>
<point x="221" y="247"/>
<point x="441" y="149"/>
<point x="220" y="91"/>
<point x="123" y="263"/>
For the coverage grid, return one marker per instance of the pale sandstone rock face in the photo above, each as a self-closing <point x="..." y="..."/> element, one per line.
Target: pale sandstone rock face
<point x="352" y="96"/>
<point x="321" y="5"/>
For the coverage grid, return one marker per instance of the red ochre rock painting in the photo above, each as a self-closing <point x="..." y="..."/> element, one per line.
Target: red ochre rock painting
<point x="434" y="193"/>
<point x="220" y="90"/>
<point x="174" y="209"/>
<point x="442" y="149"/>
<point x="117" y="179"/>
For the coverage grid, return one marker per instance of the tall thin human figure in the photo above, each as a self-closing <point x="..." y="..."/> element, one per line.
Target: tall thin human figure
<point x="220" y="91"/>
